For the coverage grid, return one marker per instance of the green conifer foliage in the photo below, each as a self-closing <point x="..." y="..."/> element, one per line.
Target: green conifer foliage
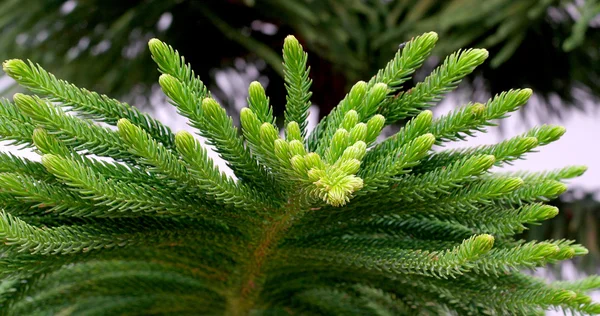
<point x="330" y="222"/>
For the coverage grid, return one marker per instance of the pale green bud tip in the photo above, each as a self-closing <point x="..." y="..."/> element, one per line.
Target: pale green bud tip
<point x="154" y="43"/>
<point x="425" y="116"/>
<point x="485" y="242"/>
<point x="355" y="151"/>
<point x="358" y="86"/>
<point x="292" y="131"/>
<point x="315" y="174"/>
<point x="511" y="184"/>
<point x="40" y="138"/>
<point x="350" y="119"/>
<point x="297" y="148"/>
<point x="183" y="136"/>
<point x="576" y="171"/>
<point x="339" y="193"/>
<point x="579" y="250"/>
<point x="268" y="131"/>
<point x="564" y="253"/>
<point x="124" y="123"/>
<point x="184" y="141"/>
<point x="351" y="113"/>
<point x="314" y="160"/>
<point x="293" y="128"/>
<point x="350" y="166"/>
<point x="433" y="35"/>
<point x="359" y="131"/>
<point x="481" y="53"/>
<point x="380" y="85"/>
<point x="20" y="98"/>
<point x="298" y="163"/>
<point x="546" y="212"/>
<point x="360" y="145"/>
<point x="280" y="143"/>
<point x="489" y="159"/>
<point x="267" y="126"/>
<point x="555" y="130"/>
<point x="49" y="160"/>
<point x="293" y="125"/>
<point x="545" y="249"/>
<point x="378" y="118"/>
<point x="340" y="132"/>
<point x="281" y="147"/>
<point x="255" y="88"/>
<point x="427" y="139"/>
<point x="166" y="81"/>
<point x="549" y="133"/>
<point x="39" y="133"/>
<point x="12" y="66"/>
<point x="477" y="109"/>
<point x="565" y="296"/>
<point x="246" y="115"/>
<point x="556" y="188"/>
<point x="290" y="40"/>
<point x="485" y="162"/>
<point x="210" y="105"/>
<point x="525" y="93"/>
<point x="529" y="142"/>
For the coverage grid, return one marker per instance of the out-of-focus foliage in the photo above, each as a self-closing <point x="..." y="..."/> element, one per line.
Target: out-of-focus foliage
<point x="556" y="39"/>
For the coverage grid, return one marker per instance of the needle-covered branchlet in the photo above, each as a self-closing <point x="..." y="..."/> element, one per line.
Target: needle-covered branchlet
<point x="333" y="221"/>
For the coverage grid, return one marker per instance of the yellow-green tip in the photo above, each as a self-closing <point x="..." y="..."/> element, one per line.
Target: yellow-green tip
<point x="183" y="135"/>
<point x="166" y="80"/>
<point x="478" y="109"/>
<point x="21" y="98"/>
<point x="547" y="212"/>
<point x="526" y="92"/>
<point x="290" y="39"/>
<point x="11" y="66"/>
<point x="579" y="170"/>
<point x="184" y="141"/>
<point x="26" y="103"/>
<point x="49" y="160"/>
<point x="123" y="123"/>
<point x="565" y="296"/>
<point x="485" y="242"/>
<point x="256" y="88"/>
<point x="154" y="43"/>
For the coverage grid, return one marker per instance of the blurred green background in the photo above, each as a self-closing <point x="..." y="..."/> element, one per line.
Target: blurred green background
<point x="550" y="46"/>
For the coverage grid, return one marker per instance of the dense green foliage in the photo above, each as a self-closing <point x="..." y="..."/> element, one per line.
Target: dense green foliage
<point x="336" y="223"/>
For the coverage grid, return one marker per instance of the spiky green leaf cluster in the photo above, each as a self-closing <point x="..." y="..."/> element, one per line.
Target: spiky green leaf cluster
<point x="333" y="223"/>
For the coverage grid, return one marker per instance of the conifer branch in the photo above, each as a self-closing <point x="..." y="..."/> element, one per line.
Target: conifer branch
<point x="297" y="83"/>
<point x="78" y="133"/>
<point x="15" y="164"/>
<point x="395" y="73"/>
<point x="14" y="126"/>
<point x="212" y="122"/>
<point x="442" y="80"/>
<point x="335" y="222"/>
<point x="122" y="198"/>
<point x="171" y="63"/>
<point x="89" y="104"/>
<point x="443" y="264"/>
